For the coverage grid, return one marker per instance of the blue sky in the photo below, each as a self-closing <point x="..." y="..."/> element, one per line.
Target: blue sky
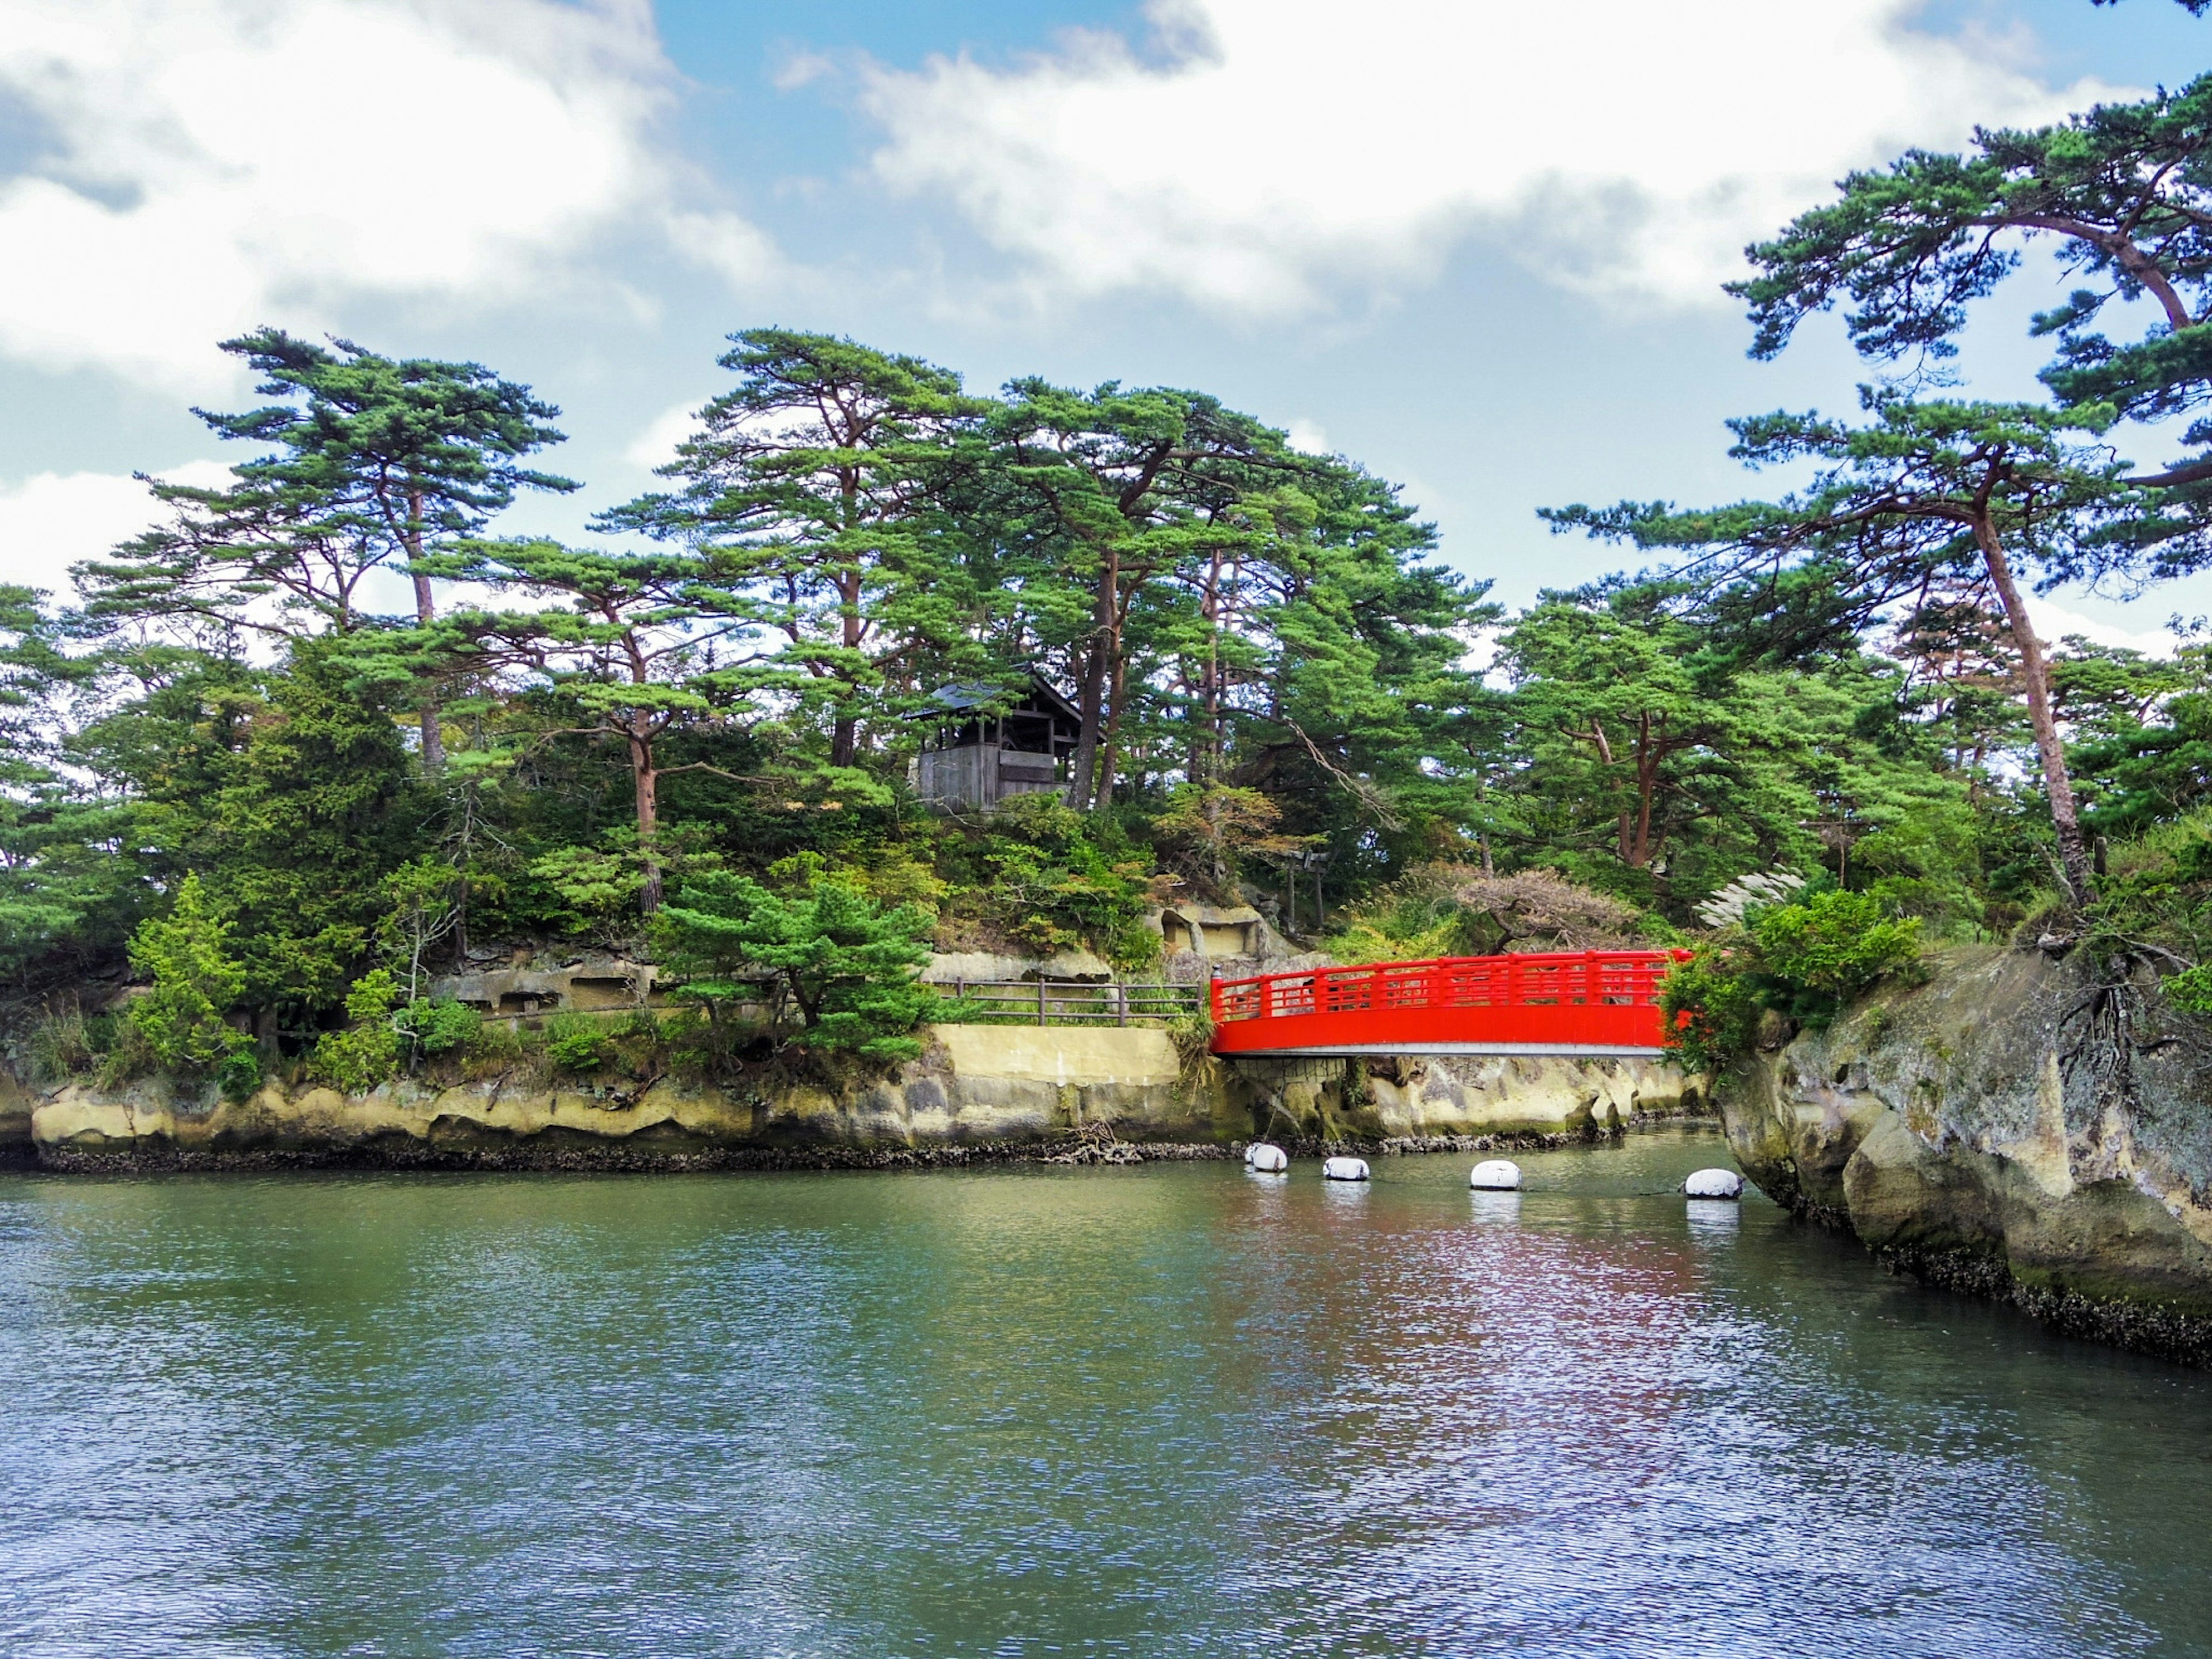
<point x="1474" y="246"/>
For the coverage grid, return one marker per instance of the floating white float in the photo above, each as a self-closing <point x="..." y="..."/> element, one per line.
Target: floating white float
<point x="1344" y="1168"/>
<point x="1266" y="1157"/>
<point x="1497" y="1175"/>
<point x="1714" y="1184"/>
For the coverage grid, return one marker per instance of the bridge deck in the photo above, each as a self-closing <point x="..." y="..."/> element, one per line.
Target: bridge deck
<point x="1586" y="1003"/>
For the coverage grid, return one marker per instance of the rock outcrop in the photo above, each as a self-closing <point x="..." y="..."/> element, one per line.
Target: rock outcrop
<point x="2016" y="1127"/>
<point x="1422" y="1098"/>
<point x="979" y="1091"/>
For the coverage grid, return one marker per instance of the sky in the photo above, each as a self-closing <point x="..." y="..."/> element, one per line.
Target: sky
<point x="1477" y="246"/>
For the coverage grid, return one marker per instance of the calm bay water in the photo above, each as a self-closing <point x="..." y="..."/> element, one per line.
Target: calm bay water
<point x="1167" y="1410"/>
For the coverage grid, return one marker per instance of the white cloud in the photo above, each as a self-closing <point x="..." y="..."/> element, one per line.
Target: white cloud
<point x="656" y="445"/>
<point x="1267" y="153"/>
<point x="211" y="164"/>
<point x="51" y="520"/>
<point x="1309" y="437"/>
<point x="2053" y="623"/>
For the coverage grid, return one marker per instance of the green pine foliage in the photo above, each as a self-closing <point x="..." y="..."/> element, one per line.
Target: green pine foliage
<point x="839" y="962"/>
<point x="194" y="982"/>
<point x="368" y="1051"/>
<point x="224" y="772"/>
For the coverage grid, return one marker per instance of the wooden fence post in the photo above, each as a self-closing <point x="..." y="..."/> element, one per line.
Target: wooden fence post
<point x="1040" y="999"/>
<point x="1121" y="1000"/>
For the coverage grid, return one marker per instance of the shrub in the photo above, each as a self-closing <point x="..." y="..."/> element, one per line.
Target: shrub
<point x="438" y="1025"/>
<point x="842" y="960"/>
<point x="575" y="1043"/>
<point x="1044" y="878"/>
<point x="238" y="1074"/>
<point x="1836" y="945"/>
<point x="181" y="1018"/>
<point x="1711" y="1006"/>
<point x="367" y="1052"/>
<point x="1805" y="960"/>
<point x="2190" y="990"/>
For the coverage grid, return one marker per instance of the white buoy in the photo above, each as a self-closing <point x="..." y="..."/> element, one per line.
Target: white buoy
<point x="1497" y="1175"/>
<point x="1265" y="1157"/>
<point x="1714" y="1184"/>
<point x="1344" y="1168"/>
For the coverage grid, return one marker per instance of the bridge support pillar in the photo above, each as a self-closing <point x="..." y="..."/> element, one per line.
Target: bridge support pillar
<point x="1301" y="1097"/>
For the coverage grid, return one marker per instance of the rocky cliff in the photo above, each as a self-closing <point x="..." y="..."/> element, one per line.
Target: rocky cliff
<point x="2026" y="1127"/>
<point x="978" y="1091"/>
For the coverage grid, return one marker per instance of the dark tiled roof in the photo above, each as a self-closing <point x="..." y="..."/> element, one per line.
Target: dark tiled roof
<point x="959" y="697"/>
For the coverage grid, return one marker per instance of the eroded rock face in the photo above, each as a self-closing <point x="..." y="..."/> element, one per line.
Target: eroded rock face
<point x="1999" y="1129"/>
<point x="976" y="1086"/>
<point x="1414" y="1098"/>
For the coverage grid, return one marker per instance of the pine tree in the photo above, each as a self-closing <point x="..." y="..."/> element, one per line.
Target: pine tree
<point x="375" y="462"/>
<point x="843" y="961"/>
<point x="195" y="981"/>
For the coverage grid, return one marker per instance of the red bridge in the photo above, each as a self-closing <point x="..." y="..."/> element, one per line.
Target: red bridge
<point x="1589" y="1002"/>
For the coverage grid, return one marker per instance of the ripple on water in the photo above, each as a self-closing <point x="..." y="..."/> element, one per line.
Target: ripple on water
<point x="1161" y="1410"/>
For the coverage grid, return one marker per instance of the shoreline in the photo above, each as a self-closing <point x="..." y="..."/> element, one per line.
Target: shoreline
<point x="1074" y="1150"/>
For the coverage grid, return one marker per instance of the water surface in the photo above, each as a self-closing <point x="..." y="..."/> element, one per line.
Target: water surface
<point x="1168" y="1410"/>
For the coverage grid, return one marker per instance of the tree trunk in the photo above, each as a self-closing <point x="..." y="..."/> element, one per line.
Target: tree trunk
<point x="1084" y="771"/>
<point x="1647" y="788"/>
<point x="2072" y="852"/>
<point x="426" y="612"/>
<point x="432" y="733"/>
<point x="647" y="777"/>
<point x="1109" y="753"/>
<point x="844" y="736"/>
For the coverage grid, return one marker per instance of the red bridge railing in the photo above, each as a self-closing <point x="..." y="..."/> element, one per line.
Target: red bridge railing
<point x="1587" y="1002"/>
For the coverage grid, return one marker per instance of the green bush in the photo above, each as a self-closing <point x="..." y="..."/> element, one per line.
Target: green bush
<point x="1711" y="1006"/>
<point x="2190" y="990"/>
<point x="438" y="1025"/>
<point x="1046" y="879"/>
<point x="367" y="1052"/>
<point x="181" y="1019"/>
<point x="1836" y="945"/>
<point x="238" y="1074"/>
<point x="575" y="1043"/>
<point x="1804" y="960"/>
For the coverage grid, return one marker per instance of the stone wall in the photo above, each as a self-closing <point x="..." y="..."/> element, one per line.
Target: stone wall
<point x="1997" y="1131"/>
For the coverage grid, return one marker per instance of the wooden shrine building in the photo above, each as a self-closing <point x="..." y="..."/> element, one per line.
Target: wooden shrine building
<point x="988" y="742"/>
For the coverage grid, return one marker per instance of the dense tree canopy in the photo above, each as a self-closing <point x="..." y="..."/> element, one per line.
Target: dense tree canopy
<point x="264" y="760"/>
<point x="1276" y="685"/>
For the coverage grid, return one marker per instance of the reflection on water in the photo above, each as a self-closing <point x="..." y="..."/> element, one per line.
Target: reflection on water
<point x="1164" y="1410"/>
<point x="1713" y="1219"/>
<point x="1496" y="1208"/>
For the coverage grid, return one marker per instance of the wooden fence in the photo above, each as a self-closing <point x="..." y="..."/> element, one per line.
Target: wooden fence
<point x="1071" y="1002"/>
